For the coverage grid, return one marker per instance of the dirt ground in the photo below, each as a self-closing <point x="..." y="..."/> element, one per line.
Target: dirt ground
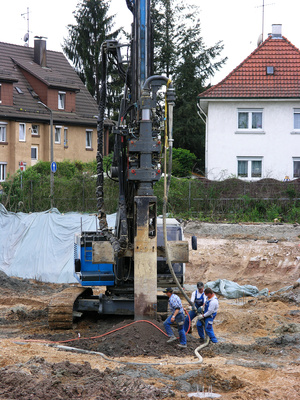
<point x="257" y="357"/>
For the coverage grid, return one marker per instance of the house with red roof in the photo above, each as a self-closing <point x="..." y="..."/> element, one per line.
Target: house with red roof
<point x="37" y="86"/>
<point x="253" y="115"/>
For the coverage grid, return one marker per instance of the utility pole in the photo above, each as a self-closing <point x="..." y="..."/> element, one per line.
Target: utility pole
<point x="51" y="153"/>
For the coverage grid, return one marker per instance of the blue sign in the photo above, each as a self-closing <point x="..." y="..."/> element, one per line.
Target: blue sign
<point x="53" y="167"/>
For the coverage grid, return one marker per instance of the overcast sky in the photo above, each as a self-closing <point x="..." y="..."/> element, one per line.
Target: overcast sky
<point x="237" y="22"/>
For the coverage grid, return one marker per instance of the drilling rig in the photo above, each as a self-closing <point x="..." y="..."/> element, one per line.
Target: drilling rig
<point x="143" y="251"/>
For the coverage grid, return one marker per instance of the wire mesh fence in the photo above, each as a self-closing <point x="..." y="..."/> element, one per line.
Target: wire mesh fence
<point x="231" y="199"/>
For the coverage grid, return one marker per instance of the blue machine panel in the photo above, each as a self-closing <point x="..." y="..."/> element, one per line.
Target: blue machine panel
<point x="87" y="273"/>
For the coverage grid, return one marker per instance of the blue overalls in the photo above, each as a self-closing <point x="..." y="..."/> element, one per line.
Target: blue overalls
<point x="208" y="325"/>
<point x="175" y="303"/>
<point x="192" y="314"/>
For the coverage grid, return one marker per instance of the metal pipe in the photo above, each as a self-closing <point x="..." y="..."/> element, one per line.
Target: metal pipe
<point x="206" y="137"/>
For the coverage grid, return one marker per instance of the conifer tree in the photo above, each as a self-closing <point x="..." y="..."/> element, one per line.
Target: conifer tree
<point x="83" y="45"/>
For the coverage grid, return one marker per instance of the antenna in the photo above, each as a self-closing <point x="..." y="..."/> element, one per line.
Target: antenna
<point x="261" y="38"/>
<point x="26" y="36"/>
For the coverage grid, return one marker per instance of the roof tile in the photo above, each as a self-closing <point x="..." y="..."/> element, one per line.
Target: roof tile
<point x="250" y="80"/>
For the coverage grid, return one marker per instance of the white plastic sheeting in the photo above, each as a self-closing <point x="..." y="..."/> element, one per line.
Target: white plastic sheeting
<point x="233" y="290"/>
<point x="41" y="245"/>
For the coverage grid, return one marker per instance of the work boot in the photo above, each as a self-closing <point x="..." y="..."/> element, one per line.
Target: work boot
<point x="182" y="346"/>
<point x="172" y="338"/>
<point x="201" y="340"/>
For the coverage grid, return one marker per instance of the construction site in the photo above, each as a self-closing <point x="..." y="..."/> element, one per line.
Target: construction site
<point x="86" y="299"/>
<point x="257" y="355"/>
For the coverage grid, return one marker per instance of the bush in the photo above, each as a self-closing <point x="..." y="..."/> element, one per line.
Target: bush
<point x="183" y="162"/>
<point x="75" y="190"/>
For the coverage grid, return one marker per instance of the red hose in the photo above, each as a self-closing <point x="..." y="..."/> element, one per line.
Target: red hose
<point x="96" y="337"/>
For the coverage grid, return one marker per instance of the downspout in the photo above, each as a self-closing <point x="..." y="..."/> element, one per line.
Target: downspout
<point x="203" y="116"/>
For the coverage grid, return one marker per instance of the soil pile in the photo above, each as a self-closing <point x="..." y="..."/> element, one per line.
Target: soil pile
<point x="38" y="379"/>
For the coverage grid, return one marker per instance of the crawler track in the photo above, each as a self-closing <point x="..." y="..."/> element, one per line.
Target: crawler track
<point x="61" y="307"/>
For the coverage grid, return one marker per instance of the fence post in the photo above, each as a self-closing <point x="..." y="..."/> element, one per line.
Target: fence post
<point x="189" y="195"/>
<point x="31" y="195"/>
<point x="83" y="208"/>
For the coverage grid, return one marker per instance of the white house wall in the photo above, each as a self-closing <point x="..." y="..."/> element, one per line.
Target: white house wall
<point x="277" y="145"/>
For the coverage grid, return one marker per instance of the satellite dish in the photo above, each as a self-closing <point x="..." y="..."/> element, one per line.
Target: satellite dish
<point x="26" y="37"/>
<point x="259" y="40"/>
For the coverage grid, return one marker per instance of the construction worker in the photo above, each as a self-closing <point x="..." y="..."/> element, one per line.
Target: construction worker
<point x="177" y="315"/>
<point x="198" y="298"/>
<point x="209" y="313"/>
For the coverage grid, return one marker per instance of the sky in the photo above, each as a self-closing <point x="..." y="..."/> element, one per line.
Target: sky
<point x="238" y="23"/>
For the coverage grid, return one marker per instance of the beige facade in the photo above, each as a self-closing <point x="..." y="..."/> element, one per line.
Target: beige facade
<point x="31" y="92"/>
<point x="30" y="142"/>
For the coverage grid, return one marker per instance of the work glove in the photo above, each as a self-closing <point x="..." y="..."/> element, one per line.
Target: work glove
<point x="200" y="310"/>
<point x="200" y="317"/>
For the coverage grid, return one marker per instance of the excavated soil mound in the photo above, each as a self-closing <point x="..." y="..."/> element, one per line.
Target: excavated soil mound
<point x="126" y="338"/>
<point x="38" y="379"/>
<point x="26" y="286"/>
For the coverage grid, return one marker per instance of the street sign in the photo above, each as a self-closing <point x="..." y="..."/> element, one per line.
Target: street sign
<point x="22" y="166"/>
<point x="53" y="167"/>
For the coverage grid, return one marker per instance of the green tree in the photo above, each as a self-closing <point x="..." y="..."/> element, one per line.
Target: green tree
<point x="196" y="63"/>
<point x="180" y="52"/>
<point x="83" y="45"/>
<point x="163" y="19"/>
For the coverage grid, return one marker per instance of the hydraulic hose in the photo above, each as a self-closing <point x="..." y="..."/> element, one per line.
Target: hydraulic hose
<point x="99" y="157"/>
<point x="169" y="144"/>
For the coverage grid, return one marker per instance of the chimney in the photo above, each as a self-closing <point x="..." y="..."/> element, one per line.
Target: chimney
<point x="276" y="31"/>
<point x="40" y="55"/>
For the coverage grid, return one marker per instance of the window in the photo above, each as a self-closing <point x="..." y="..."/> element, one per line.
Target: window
<point x="296" y="118"/>
<point x="270" y="70"/>
<point x="296" y="167"/>
<point x="34" y="129"/>
<point x="22" y="132"/>
<point x="2" y="172"/>
<point x="3" y="131"/>
<point x="57" y="134"/>
<point x="0" y="94"/>
<point x="34" y="153"/>
<point x="88" y="141"/>
<point x="242" y="169"/>
<point x="250" y="119"/>
<point x="61" y="100"/>
<point x="19" y="90"/>
<point x="255" y="169"/>
<point x="65" y="137"/>
<point x="249" y="167"/>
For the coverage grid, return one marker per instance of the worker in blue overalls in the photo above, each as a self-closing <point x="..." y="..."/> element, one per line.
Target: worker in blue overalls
<point x="209" y="313"/>
<point x="177" y="315"/>
<point x="198" y="298"/>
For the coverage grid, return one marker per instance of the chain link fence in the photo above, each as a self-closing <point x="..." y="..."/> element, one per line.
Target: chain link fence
<point x="203" y="199"/>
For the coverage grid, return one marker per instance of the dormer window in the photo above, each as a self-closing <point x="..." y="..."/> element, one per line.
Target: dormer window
<point x="61" y="100"/>
<point x="270" y="70"/>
